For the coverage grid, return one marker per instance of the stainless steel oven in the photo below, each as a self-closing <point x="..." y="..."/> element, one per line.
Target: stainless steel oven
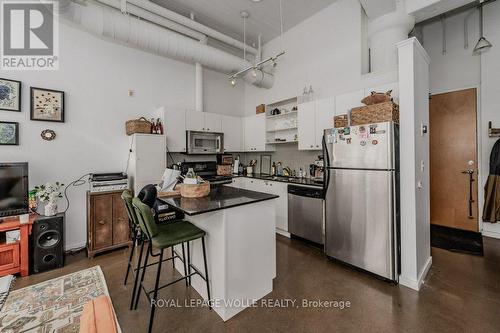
<point x="204" y="142"/>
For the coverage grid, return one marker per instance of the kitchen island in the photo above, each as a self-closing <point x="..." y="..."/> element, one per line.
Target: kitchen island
<point x="241" y="245"/>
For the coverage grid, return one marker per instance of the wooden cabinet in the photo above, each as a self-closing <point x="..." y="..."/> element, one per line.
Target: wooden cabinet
<point x="14" y="257"/>
<point x="107" y="222"/>
<point x="9" y="256"/>
<point x="312" y="119"/>
<point x="232" y="127"/>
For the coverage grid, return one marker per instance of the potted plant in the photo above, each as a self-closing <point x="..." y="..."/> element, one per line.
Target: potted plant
<point x="49" y="193"/>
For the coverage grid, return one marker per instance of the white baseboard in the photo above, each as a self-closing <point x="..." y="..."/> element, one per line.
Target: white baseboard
<point x="492" y="234"/>
<point x="416" y="284"/>
<point x="283" y="233"/>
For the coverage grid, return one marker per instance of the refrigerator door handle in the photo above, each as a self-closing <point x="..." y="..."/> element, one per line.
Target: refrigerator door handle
<point x="326" y="158"/>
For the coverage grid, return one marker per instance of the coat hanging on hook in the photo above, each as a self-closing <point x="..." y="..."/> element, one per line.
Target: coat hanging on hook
<point x="491" y="211"/>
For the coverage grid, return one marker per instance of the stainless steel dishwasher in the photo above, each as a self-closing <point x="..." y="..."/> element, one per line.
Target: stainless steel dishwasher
<point x="305" y="212"/>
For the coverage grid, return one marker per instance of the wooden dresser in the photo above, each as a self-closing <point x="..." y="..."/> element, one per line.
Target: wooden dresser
<point x="107" y="222"/>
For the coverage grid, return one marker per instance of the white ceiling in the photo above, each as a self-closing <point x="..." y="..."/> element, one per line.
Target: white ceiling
<point x="224" y="15"/>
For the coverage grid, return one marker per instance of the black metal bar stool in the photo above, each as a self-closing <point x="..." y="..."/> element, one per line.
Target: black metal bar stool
<point x="138" y="238"/>
<point x="162" y="237"/>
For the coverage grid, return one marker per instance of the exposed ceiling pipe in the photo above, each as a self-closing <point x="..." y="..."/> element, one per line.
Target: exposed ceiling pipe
<point x="111" y="24"/>
<point x="157" y="19"/>
<point x="186" y="21"/>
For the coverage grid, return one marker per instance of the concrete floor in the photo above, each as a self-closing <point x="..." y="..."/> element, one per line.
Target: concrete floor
<point x="461" y="294"/>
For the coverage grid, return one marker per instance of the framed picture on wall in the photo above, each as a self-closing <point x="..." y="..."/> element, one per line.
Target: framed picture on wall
<point x="10" y="95"/>
<point x="47" y="105"/>
<point x="9" y="133"/>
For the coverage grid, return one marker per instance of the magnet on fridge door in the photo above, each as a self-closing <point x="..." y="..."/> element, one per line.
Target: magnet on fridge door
<point x="349" y="141"/>
<point x="373" y="129"/>
<point x="374" y="142"/>
<point x="362" y="143"/>
<point x="347" y="130"/>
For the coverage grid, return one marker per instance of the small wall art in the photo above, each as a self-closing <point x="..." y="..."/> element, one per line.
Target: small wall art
<point x="10" y="95"/>
<point x="9" y="133"/>
<point x="47" y="105"/>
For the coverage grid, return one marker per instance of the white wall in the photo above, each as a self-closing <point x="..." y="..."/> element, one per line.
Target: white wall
<point x="96" y="75"/>
<point x="323" y="51"/>
<point x="459" y="69"/>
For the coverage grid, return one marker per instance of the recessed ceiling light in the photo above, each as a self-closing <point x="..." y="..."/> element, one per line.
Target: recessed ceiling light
<point x="256" y="0"/>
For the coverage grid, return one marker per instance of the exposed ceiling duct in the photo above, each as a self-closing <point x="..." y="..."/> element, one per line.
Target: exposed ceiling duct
<point x="112" y="24"/>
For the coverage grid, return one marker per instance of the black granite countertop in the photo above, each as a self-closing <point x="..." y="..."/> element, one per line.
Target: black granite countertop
<point x="220" y="197"/>
<point x="283" y="179"/>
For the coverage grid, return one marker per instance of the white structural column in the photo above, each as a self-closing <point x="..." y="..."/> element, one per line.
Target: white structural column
<point x="414" y="158"/>
<point x="199" y="87"/>
<point x="383" y="34"/>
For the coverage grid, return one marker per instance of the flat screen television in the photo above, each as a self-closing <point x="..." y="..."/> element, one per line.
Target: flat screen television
<point x="13" y="189"/>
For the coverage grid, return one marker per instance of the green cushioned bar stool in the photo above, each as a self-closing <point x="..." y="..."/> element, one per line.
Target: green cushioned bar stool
<point x="162" y="237"/>
<point x="138" y="238"/>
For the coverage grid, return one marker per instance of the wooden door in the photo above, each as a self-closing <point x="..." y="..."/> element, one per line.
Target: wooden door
<point x="453" y="152"/>
<point x="120" y="221"/>
<point x="102" y="220"/>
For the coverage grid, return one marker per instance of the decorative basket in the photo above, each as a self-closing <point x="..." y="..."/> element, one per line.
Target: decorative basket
<point x="376" y="113"/>
<point x="341" y="121"/>
<point x="195" y="191"/>
<point x="141" y="125"/>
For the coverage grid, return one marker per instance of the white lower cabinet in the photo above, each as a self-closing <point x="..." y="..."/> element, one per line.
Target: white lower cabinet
<point x="271" y="187"/>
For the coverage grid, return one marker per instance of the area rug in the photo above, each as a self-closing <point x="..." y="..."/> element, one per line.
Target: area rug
<point x="54" y="305"/>
<point x="457" y="240"/>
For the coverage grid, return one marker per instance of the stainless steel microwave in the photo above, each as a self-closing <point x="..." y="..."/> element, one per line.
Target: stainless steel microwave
<point x="204" y="142"/>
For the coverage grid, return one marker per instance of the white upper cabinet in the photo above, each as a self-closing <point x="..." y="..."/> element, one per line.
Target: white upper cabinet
<point x="232" y="127"/>
<point x="312" y="119"/>
<point x="325" y="111"/>
<point x="195" y="121"/>
<point x="213" y="122"/>
<point x="306" y="124"/>
<point x="255" y="133"/>
<point x="344" y="103"/>
<point x="174" y="123"/>
<point x="203" y="121"/>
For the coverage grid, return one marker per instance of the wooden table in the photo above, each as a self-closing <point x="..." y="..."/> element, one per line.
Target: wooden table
<point x="14" y="257"/>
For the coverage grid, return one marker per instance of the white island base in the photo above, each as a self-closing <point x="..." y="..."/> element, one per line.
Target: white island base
<point x="241" y="255"/>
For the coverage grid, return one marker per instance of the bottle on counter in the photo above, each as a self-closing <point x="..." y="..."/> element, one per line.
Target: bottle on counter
<point x="273" y="169"/>
<point x="279" y="169"/>
<point x="159" y="126"/>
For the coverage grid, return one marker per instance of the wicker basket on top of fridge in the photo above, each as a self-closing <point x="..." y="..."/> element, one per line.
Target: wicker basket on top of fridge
<point x="379" y="108"/>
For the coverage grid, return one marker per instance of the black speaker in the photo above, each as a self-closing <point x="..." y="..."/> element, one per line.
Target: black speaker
<point x="47" y="243"/>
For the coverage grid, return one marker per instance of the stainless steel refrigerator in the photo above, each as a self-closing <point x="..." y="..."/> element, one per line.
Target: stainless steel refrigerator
<point x="362" y="197"/>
